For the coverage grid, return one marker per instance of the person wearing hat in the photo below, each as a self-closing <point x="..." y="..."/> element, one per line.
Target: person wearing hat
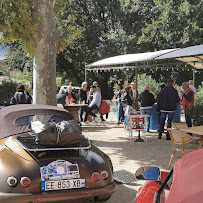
<point x="95" y="103"/>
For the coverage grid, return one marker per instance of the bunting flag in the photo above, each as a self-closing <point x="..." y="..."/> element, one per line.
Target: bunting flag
<point x="178" y="67"/>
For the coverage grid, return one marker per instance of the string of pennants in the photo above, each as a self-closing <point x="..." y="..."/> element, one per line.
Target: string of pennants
<point x="132" y="68"/>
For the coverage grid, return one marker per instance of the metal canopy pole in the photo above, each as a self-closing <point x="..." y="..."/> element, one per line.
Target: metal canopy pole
<point x="139" y="139"/>
<point x="194" y="77"/>
<point x="136" y="101"/>
<point x="85" y="75"/>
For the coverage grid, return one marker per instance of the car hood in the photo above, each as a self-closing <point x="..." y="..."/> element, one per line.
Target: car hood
<point x="187" y="184"/>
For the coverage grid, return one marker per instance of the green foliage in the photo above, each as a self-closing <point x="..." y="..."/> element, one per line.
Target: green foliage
<point x="58" y="81"/>
<point x="5" y="71"/>
<point x="123" y="26"/>
<point x="199" y="95"/>
<point x="96" y="29"/>
<point x="17" y="22"/>
<point x="22" y="77"/>
<point x="17" y="58"/>
<point x="196" y="111"/>
<point x="144" y="79"/>
<point x="178" y="24"/>
<point x="196" y="114"/>
<point x="7" y="90"/>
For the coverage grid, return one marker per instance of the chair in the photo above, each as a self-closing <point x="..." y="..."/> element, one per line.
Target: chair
<point x="180" y="138"/>
<point x="138" y="122"/>
<point x="179" y="125"/>
<point x="97" y="119"/>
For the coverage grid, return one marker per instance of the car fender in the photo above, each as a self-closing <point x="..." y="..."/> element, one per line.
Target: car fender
<point x="146" y="192"/>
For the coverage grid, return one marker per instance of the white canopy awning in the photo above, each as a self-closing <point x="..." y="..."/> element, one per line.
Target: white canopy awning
<point x="129" y="58"/>
<point x="192" y="55"/>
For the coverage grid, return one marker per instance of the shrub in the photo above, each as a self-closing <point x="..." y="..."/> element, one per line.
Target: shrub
<point x="199" y="95"/>
<point x="7" y="90"/>
<point x="196" y="111"/>
<point x="196" y="114"/>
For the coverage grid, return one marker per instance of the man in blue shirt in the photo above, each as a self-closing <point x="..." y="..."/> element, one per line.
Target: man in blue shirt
<point x="95" y="103"/>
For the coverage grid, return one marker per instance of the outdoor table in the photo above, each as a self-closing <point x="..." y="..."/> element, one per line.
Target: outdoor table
<point x="196" y="130"/>
<point x="73" y="109"/>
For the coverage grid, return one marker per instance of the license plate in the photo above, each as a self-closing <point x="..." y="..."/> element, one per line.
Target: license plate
<point x="62" y="184"/>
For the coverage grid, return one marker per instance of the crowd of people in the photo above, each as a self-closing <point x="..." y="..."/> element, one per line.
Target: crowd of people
<point x="166" y="100"/>
<point x="91" y="98"/>
<point x="125" y="98"/>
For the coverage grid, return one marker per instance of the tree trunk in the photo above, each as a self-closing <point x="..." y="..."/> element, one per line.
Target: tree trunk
<point x="44" y="66"/>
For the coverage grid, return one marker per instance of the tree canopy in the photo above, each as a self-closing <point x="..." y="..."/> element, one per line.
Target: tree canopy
<point x="112" y="27"/>
<point x="31" y="23"/>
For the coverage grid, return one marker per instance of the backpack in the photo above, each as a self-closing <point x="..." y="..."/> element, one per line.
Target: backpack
<point x="63" y="134"/>
<point x="13" y="101"/>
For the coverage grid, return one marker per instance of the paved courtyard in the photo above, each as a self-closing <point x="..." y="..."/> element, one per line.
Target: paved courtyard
<point x="114" y="141"/>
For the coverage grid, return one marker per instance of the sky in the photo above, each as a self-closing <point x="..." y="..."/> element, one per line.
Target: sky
<point x="2" y="51"/>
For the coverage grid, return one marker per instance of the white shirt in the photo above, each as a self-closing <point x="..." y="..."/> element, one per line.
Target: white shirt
<point x="96" y="99"/>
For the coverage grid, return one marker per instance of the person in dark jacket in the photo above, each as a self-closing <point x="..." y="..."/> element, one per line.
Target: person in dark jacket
<point x="61" y="97"/>
<point x="82" y="96"/>
<point x="126" y="102"/>
<point x="166" y="105"/>
<point x="20" y="95"/>
<point x="146" y="98"/>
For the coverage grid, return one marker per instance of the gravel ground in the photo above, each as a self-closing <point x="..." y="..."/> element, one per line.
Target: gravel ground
<point x="114" y="141"/>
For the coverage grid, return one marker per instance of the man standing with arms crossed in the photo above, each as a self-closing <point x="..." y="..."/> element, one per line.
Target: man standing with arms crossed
<point x="166" y="105"/>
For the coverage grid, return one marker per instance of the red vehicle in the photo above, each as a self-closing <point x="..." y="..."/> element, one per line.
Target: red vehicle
<point x="184" y="181"/>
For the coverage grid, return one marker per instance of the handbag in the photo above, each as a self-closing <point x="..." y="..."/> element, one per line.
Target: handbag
<point x="63" y="134"/>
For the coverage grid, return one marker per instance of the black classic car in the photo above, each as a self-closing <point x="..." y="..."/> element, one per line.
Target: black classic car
<point x="33" y="172"/>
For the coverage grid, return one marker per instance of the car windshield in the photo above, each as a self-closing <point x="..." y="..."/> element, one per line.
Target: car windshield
<point x="26" y="120"/>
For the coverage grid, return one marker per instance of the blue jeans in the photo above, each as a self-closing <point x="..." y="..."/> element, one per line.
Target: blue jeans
<point x="162" y="122"/>
<point x="119" y="111"/>
<point x="147" y="112"/>
<point x="125" y="120"/>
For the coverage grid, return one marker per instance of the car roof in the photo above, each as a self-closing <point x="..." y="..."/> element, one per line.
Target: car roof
<point x="9" y="114"/>
<point x="187" y="179"/>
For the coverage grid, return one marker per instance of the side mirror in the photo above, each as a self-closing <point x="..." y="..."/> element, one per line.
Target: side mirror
<point x="148" y="173"/>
